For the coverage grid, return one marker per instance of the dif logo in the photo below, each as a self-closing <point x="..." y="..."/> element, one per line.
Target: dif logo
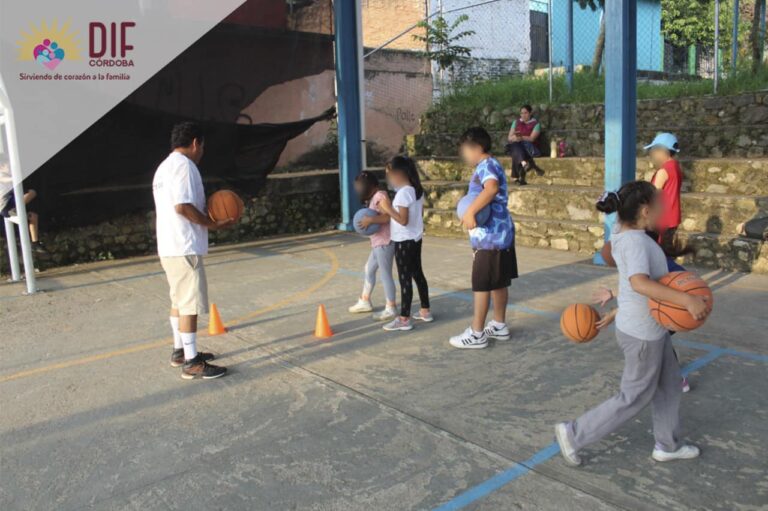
<point x="50" y="44"/>
<point x="108" y="44"/>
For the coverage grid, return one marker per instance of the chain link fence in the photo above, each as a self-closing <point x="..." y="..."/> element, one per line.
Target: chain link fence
<point x="417" y="52"/>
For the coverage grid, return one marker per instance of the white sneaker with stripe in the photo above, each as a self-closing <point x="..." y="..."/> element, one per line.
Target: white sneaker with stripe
<point x="469" y="340"/>
<point x="494" y="332"/>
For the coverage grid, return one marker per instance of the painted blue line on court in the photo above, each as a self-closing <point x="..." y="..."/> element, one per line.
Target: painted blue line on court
<point x="500" y="479"/>
<point x="503" y="478"/>
<point x="702" y="361"/>
<point x="745" y="354"/>
<point x="467" y="297"/>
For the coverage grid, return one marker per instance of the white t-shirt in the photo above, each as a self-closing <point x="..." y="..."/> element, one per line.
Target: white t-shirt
<point x="177" y="181"/>
<point x="414" y="229"/>
<point x="636" y="253"/>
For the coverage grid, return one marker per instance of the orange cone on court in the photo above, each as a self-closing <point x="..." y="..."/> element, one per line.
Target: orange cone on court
<point x="215" y="326"/>
<point x="322" y="327"/>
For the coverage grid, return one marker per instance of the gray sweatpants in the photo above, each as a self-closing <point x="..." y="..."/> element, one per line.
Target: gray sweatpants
<point x="651" y="375"/>
<point x="380" y="259"/>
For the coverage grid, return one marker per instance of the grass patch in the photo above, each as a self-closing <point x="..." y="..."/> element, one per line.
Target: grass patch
<point x="513" y="92"/>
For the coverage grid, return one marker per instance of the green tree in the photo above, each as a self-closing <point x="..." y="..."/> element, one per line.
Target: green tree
<point x="440" y="40"/>
<point x="687" y="22"/>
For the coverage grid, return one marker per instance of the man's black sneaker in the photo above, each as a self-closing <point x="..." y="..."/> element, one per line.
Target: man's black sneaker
<point x="539" y="171"/>
<point x="177" y="357"/>
<point x="199" y="368"/>
<point x="39" y="249"/>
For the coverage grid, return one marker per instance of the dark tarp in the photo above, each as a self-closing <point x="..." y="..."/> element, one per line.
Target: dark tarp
<point x="107" y="171"/>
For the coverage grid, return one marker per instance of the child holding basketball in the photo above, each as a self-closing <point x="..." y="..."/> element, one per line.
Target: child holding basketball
<point x="493" y="244"/>
<point x="406" y="230"/>
<point x="651" y="372"/>
<point x="382" y="249"/>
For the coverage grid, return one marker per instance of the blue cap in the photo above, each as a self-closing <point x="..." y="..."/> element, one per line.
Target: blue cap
<point x="666" y="140"/>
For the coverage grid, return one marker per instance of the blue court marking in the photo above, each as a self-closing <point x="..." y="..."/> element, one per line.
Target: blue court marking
<point x="500" y="479"/>
<point x="467" y="297"/>
<point x="519" y="469"/>
<point x="702" y="361"/>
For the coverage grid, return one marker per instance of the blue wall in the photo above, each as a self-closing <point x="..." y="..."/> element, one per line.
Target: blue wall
<point x="586" y="25"/>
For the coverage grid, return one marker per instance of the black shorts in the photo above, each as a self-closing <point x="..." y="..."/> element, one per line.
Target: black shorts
<point x="493" y="269"/>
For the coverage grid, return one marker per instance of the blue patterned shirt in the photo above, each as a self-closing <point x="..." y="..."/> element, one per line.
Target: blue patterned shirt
<point x="499" y="232"/>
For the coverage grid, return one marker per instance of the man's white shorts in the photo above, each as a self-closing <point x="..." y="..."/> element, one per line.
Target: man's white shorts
<point x="189" y="287"/>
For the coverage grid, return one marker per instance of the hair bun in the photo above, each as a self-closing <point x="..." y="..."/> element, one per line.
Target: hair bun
<point x="608" y="202"/>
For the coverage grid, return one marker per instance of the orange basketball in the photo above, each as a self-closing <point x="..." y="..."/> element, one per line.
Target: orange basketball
<point x="676" y="317"/>
<point x="225" y="204"/>
<point x="579" y="322"/>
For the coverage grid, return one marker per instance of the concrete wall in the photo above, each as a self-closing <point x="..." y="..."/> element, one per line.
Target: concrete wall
<point x="398" y="90"/>
<point x="382" y="20"/>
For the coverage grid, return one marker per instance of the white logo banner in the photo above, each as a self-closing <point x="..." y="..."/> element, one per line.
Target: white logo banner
<point x="66" y="64"/>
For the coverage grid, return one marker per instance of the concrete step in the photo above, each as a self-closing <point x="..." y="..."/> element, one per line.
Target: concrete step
<point x="731" y="253"/>
<point x="716" y="141"/>
<point x="734" y="176"/>
<point x="702" y="212"/>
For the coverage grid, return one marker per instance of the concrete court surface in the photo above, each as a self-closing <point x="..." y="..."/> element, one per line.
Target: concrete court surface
<point x="93" y="417"/>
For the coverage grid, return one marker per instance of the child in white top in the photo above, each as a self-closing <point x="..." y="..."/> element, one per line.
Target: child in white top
<point x="406" y="230"/>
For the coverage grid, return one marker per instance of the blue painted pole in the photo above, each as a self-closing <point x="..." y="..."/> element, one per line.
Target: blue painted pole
<point x="620" y="98"/>
<point x="569" y="45"/>
<point x="348" y="105"/>
<point x="735" y="37"/>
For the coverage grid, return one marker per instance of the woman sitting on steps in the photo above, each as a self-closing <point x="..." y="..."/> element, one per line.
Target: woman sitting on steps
<point x="523" y="145"/>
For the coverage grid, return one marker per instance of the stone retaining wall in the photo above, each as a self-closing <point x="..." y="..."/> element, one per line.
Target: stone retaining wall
<point x="708" y="126"/>
<point x="290" y="203"/>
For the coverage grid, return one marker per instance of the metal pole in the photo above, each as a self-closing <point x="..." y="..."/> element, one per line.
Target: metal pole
<point x="735" y="37"/>
<point x="348" y="101"/>
<point x="620" y="99"/>
<point x="549" y="47"/>
<point x="717" y="46"/>
<point x="361" y="82"/>
<point x="569" y="45"/>
<point x="18" y="195"/>
<point x="18" y="190"/>
<point x="13" y="254"/>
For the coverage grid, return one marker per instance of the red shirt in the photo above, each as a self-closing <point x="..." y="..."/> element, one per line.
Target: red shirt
<point x="670" y="195"/>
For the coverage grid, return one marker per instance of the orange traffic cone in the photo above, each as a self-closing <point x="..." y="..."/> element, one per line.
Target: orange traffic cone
<point x="215" y="326"/>
<point x="322" y="328"/>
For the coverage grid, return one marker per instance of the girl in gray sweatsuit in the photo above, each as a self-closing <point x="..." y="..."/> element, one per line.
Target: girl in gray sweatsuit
<point x="651" y="371"/>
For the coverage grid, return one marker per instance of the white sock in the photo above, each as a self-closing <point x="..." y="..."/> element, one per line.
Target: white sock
<point x="190" y="345"/>
<point x="476" y="333"/>
<point x="176" y="336"/>
<point x="497" y="324"/>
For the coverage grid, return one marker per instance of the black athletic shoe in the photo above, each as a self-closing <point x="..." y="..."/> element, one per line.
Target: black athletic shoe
<point x="538" y="170"/>
<point x="177" y="357"/>
<point x="39" y="249"/>
<point x="199" y="368"/>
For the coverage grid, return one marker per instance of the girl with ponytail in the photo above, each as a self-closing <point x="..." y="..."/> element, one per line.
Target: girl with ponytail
<point x="406" y="230"/>
<point x="651" y="371"/>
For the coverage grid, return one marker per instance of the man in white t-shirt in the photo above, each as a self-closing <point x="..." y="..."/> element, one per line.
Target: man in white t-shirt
<point x="182" y="241"/>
